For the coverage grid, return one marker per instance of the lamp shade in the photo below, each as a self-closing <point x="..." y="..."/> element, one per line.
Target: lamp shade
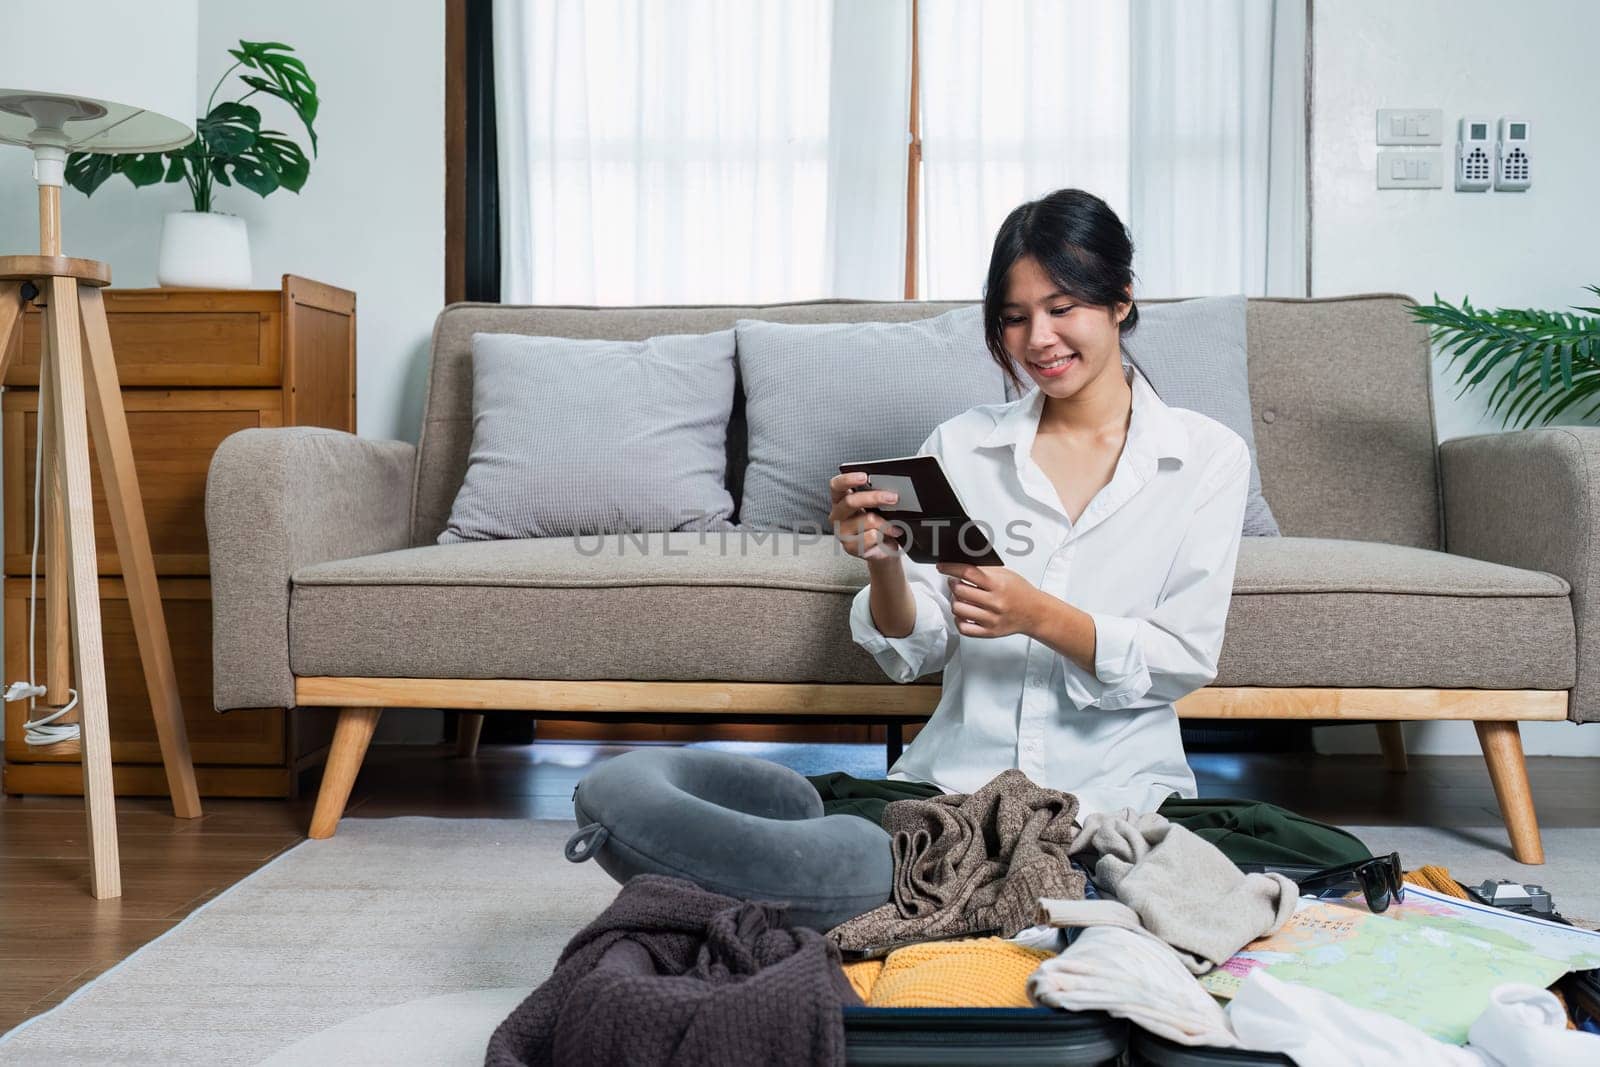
<point x="115" y="76"/>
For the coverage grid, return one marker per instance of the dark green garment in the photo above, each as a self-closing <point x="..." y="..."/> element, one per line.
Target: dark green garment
<point x="1250" y="831"/>
<point x="844" y="794"/>
<point x="1246" y="831"/>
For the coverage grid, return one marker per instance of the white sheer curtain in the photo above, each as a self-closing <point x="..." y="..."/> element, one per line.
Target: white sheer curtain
<point x="700" y="151"/>
<point x="1185" y="116"/>
<point x="706" y="151"/>
<point x="1217" y="146"/>
<point x="1019" y="97"/>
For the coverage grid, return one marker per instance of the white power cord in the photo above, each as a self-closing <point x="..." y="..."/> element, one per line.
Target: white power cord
<point x="43" y="730"/>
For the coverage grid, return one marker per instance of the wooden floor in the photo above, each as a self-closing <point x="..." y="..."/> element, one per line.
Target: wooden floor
<point x="54" y="937"/>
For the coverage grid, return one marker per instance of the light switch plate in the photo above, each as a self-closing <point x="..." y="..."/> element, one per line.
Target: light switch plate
<point x="1410" y="125"/>
<point x="1410" y="170"/>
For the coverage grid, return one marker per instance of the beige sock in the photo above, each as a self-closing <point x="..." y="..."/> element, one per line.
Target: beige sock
<point x="1184" y="890"/>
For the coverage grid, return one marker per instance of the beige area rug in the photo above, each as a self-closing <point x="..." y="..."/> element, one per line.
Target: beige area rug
<point x="386" y="911"/>
<point x="405" y="941"/>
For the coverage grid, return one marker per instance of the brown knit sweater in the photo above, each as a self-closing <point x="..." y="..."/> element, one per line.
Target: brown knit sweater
<point x="972" y="862"/>
<point x="673" y="974"/>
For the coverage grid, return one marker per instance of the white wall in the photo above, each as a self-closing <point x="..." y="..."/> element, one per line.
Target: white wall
<point x="1534" y="248"/>
<point x="371" y="215"/>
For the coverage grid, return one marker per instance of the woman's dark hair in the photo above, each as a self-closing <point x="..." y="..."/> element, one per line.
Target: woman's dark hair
<point x="1082" y="246"/>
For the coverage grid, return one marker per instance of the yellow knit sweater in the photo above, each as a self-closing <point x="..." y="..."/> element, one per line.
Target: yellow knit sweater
<point x="987" y="972"/>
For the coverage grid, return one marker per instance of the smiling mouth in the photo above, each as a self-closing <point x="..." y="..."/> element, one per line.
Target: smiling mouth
<point x="1057" y="363"/>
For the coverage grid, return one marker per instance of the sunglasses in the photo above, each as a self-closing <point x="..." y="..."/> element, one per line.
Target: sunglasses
<point x="1380" y="879"/>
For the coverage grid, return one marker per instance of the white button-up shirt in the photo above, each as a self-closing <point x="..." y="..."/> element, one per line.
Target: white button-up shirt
<point x="1151" y="559"/>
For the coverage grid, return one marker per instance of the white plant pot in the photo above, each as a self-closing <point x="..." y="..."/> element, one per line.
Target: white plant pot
<point x="204" y="249"/>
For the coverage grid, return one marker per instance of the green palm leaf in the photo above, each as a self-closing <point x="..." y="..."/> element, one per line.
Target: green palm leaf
<point x="1540" y="364"/>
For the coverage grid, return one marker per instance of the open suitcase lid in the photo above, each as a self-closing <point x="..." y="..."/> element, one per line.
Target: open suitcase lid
<point x="972" y="1036"/>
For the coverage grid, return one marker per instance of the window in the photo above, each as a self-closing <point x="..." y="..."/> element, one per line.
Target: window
<point x="723" y="151"/>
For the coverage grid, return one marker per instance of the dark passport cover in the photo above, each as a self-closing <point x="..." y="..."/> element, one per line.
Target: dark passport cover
<point x="940" y="531"/>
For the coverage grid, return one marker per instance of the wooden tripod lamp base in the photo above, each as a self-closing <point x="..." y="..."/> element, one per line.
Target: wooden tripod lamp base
<point x="78" y="375"/>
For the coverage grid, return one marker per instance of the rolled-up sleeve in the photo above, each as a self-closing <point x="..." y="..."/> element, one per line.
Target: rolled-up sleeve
<point x="933" y="637"/>
<point x="1157" y="659"/>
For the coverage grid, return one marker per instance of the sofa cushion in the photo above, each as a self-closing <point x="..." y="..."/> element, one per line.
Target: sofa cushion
<point x="595" y="436"/>
<point x="1315" y="612"/>
<point x="819" y="396"/>
<point x="737" y="606"/>
<point x="1342" y="391"/>
<point x="1194" y="353"/>
<point x="589" y="608"/>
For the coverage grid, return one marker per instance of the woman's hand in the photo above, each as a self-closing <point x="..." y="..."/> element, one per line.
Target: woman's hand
<point x="864" y="534"/>
<point x="993" y="601"/>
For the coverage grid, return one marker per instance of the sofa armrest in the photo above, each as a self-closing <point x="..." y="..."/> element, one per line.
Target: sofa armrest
<point x="1532" y="499"/>
<point x="278" y="500"/>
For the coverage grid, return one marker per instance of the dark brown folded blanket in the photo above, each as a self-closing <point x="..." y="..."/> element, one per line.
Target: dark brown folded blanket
<point x="972" y="862"/>
<point x="673" y="974"/>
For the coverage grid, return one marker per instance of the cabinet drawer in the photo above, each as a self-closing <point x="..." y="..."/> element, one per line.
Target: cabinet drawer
<point x="239" y="737"/>
<point x="166" y="337"/>
<point x="174" y="434"/>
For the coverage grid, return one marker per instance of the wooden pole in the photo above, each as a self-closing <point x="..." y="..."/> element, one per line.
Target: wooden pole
<point x="114" y="448"/>
<point x="71" y="427"/>
<point x="49" y="220"/>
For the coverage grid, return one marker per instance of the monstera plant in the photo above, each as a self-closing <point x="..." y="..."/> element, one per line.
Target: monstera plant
<point x="231" y="148"/>
<point x="1537" y="365"/>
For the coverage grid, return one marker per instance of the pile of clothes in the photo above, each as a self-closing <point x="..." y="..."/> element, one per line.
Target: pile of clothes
<point x="1001" y="898"/>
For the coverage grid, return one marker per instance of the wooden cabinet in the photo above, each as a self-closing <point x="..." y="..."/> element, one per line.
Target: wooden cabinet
<point x="195" y="365"/>
<point x="174" y="432"/>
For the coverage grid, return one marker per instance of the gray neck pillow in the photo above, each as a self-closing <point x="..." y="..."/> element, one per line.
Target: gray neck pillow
<point x="732" y="824"/>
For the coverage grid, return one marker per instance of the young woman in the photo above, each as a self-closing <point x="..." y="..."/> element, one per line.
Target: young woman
<point x="1121" y="521"/>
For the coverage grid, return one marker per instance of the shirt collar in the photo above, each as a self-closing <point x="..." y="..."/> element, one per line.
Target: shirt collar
<point x="1154" y="430"/>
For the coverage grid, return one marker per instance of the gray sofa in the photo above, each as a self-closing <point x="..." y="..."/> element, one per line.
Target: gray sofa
<point x="1413" y="582"/>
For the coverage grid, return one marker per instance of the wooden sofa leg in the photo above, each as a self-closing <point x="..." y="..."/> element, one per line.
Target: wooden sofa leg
<point x="468" y="727"/>
<point x="1392" y="739"/>
<point x="350" y="739"/>
<point x="1502" y="750"/>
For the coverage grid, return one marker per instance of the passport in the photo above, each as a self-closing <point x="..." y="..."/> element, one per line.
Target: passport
<point x="939" y="528"/>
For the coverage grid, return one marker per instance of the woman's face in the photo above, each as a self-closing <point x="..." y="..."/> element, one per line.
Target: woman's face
<point x="1062" y="344"/>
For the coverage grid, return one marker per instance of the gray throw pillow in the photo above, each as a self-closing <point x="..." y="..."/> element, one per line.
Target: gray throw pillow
<point x="586" y="437"/>
<point x="1194" y="353"/>
<point x="818" y="396"/>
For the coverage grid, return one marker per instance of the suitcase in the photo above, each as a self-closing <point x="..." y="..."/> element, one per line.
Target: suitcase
<point x="982" y="1037"/>
<point x="1147" y="1050"/>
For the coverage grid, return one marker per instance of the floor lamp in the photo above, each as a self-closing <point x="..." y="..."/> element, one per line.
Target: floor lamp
<point x="101" y="76"/>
